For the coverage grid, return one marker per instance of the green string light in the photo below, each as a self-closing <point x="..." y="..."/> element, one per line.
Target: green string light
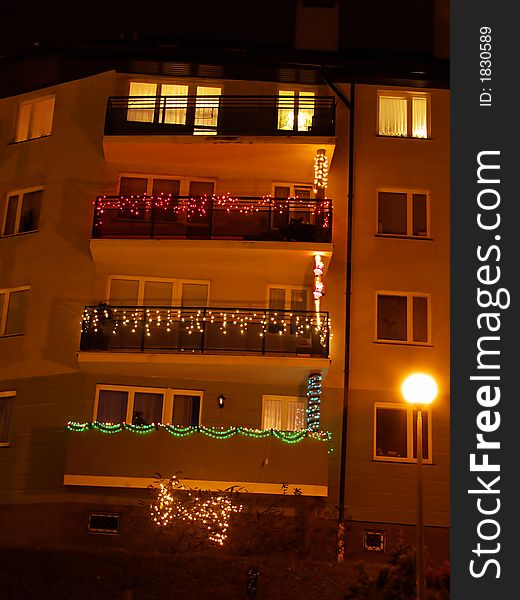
<point x="217" y="433"/>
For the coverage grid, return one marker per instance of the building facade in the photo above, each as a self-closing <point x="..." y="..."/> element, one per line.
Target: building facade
<point x="221" y="270"/>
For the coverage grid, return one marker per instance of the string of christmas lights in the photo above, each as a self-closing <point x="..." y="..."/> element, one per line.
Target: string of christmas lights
<point x="192" y="321"/>
<point x="219" y="433"/>
<point x="314" y="402"/>
<point x="208" y="511"/>
<point x="136" y="206"/>
<point x="321" y="171"/>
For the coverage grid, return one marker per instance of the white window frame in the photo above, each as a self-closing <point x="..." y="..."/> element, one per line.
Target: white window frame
<point x="296" y="91"/>
<point x="168" y="399"/>
<point x="409" y="458"/>
<point x="409" y="213"/>
<point x="20" y="194"/>
<point x="192" y="86"/>
<point x="408" y="96"/>
<point x="288" y="289"/>
<point x="285" y="401"/>
<point x="184" y="186"/>
<point x="7" y="394"/>
<point x="176" y="286"/>
<point x="409" y="317"/>
<point x="32" y="103"/>
<point x="5" y="309"/>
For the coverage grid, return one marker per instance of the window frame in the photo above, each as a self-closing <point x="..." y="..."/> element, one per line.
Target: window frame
<point x="409" y="318"/>
<point x="296" y="91"/>
<point x="408" y="96"/>
<point x="10" y="395"/>
<point x="177" y="284"/>
<point x="192" y="91"/>
<point x="20" y="193"/>
<point x="167" y="393"/>
<point x="409" y="213"/>
<point x="32" y="102"/>
<point x="285" y="400"/>
<point x="288" y="289"/>
<point x="409" y="458"/>
<point x="5" y="309"/>
<point x="184" y="185"/>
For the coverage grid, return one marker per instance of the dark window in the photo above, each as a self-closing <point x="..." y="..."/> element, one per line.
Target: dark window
<point x="392" y="217"/>
<point x="419" y="221"/>
<point x="391" y="432"/>
<point x="186" y="410"/>
<point x="391" y="318"/>
<point x="112" y="406"/>
<point x="22" y="212"/>
<point x="103" y="523"/>
<point x="374" y="541"/>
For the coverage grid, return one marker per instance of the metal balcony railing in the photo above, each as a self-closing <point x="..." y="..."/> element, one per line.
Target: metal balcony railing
<point x="208" y="330"/>
<point x="223" y="217"/>
<point x="221" y="115"/>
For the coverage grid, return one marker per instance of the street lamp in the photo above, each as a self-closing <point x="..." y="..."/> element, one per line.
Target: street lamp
<point x="420" y="390"/>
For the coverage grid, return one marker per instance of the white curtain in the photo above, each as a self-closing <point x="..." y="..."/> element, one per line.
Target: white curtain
<point x="392" y="116"/>
<point x="419" y="124"/>
<point x="206" y="110"/>
<point x="146" y="106"/>
<point x="286" y="110"/>
<point x="173" y="110"/>
<point x="272" y="417"/>
<point x="295" y="416"/>
<point x="305" y="110"/>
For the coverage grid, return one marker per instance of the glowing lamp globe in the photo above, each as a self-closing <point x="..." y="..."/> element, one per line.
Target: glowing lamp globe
<point x="419" y="389"/>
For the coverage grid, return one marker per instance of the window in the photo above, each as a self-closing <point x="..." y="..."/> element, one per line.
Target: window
<point x="34" y="119"/>
<point x="295" y="110"/>
<point x="404" y="114"/>
<point x="103" y="523"/>
<point x="144" y="406"/>
<point x="395" y="438"/>
<point x="293" y="215"/>
<point x="374" y="541"/>
<point x="6" y="401"/>
<point x="22" y="211"/>
<point x="403" y="317"/>
<point x="287" y="413"/>
<point x="403" y="213"/>
<point x="138" y="291"/>
<point x="168" y="103"/>
<point x="287" y="297"/>
<point x="13" y="309"/>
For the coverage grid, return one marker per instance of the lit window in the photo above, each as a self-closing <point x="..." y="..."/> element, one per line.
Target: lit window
<point x="6" y="402"/>
<point x="403" y="317"/>
<point x="13" y="309"/>
<point x="22" y="212"/>
<point x="403" y="213"/>
<point x="34" y="119"/>
<point x="152" y="102"/>
<point x="285" y="413"/>
<point x="403" y="114"/>
<point x="395" y="437"/>
<point x="146" y="406"/>
<point x="295" y="110"/>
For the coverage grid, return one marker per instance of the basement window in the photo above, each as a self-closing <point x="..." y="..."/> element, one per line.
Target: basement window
<point x="107" y="523"/>
<point x="374" y="541"/>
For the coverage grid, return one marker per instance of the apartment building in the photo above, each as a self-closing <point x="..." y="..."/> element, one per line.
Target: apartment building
<point x="179" y="292"/>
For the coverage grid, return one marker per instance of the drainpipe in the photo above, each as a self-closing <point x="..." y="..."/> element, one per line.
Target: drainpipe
<point x="350" y="105"/>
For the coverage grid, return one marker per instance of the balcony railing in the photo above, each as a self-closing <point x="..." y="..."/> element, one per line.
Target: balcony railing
<point x="220" y="115"/>
<point x="222" y="217"/>
<point x="207" y="330"/>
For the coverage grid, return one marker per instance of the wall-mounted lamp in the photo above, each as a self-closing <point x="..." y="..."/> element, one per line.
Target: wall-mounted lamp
<point x="220" y="400"/>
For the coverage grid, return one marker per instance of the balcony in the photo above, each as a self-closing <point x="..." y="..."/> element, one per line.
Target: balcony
<point x="205" y="342"/>
<point x="228" y="134"/>
<point x="205" y="457"/>
<point x="220" y="115"/>
<point x="223" y="217"/>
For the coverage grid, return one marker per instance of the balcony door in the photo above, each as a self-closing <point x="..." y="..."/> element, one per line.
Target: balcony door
<point x="186" y="410"/>
<point x="168" y="103"/>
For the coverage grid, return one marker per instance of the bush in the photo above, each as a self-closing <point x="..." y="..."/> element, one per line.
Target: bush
<point x="396" y="580"/>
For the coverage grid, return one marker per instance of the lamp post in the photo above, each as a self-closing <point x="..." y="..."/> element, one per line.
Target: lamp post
<point x="420" y="390"/>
